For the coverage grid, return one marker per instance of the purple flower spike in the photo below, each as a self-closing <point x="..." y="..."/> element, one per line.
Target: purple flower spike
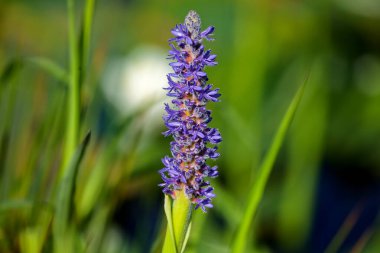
<point x="187" y="120"/>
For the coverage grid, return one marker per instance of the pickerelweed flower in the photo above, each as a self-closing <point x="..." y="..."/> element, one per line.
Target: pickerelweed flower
<point x="187" y="120"/>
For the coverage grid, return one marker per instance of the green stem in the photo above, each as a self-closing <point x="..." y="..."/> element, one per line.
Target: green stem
<point x="88" y="17"/>
<point x="169" y="245"/>
<point x="72" y="123"/>
<point x="178" y="213"/>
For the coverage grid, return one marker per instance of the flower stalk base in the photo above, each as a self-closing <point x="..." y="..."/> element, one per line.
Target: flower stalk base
<point x="178" y="213"/>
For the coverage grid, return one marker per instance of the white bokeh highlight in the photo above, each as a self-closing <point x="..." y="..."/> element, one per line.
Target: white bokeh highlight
<point x="137" y="80"/>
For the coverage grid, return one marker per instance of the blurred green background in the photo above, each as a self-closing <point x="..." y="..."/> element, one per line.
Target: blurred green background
<point x="324" y="193"/>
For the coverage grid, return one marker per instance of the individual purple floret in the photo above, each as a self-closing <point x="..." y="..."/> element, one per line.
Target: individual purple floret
<point x="187" y="119"/>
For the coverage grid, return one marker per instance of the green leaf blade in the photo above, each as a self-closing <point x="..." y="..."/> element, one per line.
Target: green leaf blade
<point x="50" y="67"/>
<point x="257" y="190"/>
<point x="65" y="195"/>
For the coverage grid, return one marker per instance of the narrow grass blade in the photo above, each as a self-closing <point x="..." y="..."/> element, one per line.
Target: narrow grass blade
<point x="361" y="244"/>
<point x="344" y="230"/>
<point x="370" y="240"/>
<point x="51" y="67"/>
<point x="33" y="238"/>
<point x="186" y="238"/>
<point x="96" y="229"/>
<point x="96" y="182"/>
<point x="303" y="156"/>
<point x="47" y="139"/>
<point x="10" y="205"/>
<point x="84" y="47"/>
<point x="257" y="190"/>
<point x="9" y="71"/>
<point x="10" y="99"/>
<point x="73" y="96"/>
<point x="29" y="239"/>
<point x="65" y="195"/>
